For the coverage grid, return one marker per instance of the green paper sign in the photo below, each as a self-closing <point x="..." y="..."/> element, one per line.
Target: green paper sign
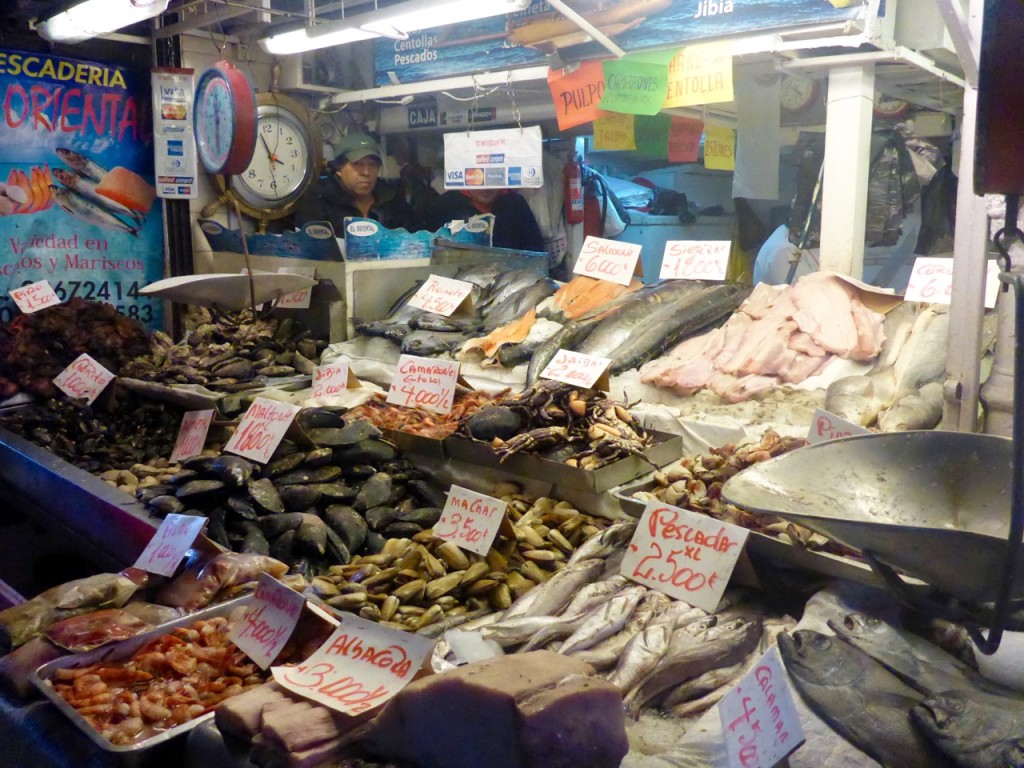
<point x="651" y="134"/>
<point x="636" y="84"/>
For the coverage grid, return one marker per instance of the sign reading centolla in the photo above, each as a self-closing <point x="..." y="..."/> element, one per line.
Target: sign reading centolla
<point x="470" y="519"/>
<point x="608" y="260"/>
<point x="34" y="296"/>
<point x="261" y="429"/>
<point x="425" y="383"/>
<point x="170" y="544"/>
<point x="270" y="617"/>
<point x="84" y="378"/>
<point x="685" y="555"/>
<point x="360" y="667"/>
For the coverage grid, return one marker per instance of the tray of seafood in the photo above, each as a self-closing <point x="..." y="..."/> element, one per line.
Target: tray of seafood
<point x="662" y="449"/>
<point x="131" y="696"/>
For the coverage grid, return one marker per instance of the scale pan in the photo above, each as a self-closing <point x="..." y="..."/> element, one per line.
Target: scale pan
<point x="227" y="291"/>
<point x="935" y="505"/>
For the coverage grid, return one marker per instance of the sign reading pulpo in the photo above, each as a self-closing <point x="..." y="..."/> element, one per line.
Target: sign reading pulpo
<point x="84" y="378"/>
<point x="607" y="260"/>
<point x="685" y="555"/>
<point x="425" y="383"/>
<point x="261" y="429"/>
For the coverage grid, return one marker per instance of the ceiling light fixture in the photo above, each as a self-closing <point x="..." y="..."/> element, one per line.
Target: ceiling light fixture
<point x="394" y="21"/>
<point x="92" y="18"/>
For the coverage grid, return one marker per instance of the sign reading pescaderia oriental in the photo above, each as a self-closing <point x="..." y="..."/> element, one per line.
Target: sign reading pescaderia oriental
<point x="76" y="193"/>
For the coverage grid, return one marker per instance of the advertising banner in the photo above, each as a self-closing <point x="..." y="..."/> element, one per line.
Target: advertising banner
<point x="76" y="174"/>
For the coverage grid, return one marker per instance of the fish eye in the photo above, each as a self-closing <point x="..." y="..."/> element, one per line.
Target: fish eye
<point x="848" y="622"/>
<point x="822" y="642"/>
<point x="956" y="706"/>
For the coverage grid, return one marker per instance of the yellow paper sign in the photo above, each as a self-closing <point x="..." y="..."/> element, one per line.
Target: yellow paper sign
<point x="700" y="74"/>
<point x="719" y="148"/>
<point x="614" y="131"/>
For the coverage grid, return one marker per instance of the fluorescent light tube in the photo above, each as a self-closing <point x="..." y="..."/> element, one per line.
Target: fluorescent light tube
<point x="395" y="21"/>
<point x="97" y="17"/>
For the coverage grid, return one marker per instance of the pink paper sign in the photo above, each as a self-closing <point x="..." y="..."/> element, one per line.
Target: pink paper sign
<point x="35" y="296"/>
<point x="331" y="379"/>
<point x="192" y="434"/>
<point x="84" y="378"/>
<point x="470" y="519"/>
<point x="261" y="429"/>
<point x="170" y="544"/>
<point x="361" y="666"/>
<point x="828" y="426"/>
<point x="270" y="617"/>
<point x="695" y="260"/>
<point x="686" y="555"/>
<point x="607" y="260"/>
<point x="425" y="383"/>
<point x="575" y="368"/>
<point x="760" y="723"/>
<point x="441" y="295"/>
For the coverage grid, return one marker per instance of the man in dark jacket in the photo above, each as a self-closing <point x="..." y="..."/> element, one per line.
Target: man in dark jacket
<point x="515" y="226"/>
<point x="354" y="189"/>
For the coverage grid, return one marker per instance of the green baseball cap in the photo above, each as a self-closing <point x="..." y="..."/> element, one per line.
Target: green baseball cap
<point x="356" y="146"/>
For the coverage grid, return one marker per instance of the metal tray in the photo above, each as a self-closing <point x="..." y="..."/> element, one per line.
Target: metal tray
<point x="407" y="442"/>
<point x="115" y="652"/>
<point x="666" y="449"/>
<point x="770" y="547"/>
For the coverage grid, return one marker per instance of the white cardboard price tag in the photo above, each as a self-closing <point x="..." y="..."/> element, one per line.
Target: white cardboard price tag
<point x="84" y="378"/>
<point x="332" y="379"/>
<point x="261" y="429"/>
<point x="425" y="383"/>
<point x="192" y="434"/>
<point x="685" y="555"/>
<point x="695" y="260"/>
<point x="470" y="519"/>
<point x="35" y="296"/>
<point x="760" y="723"/>
<point x="361" y="666"/>
<point x="270" y="617"/>
<point x="577" y="369"/>
<point x="442" y="295"/>
<point x="931" y="280"/>
<point x="170" y="544"/>
<point x="298" y="299"/>
<point x="828" y="426"/>
<point x="607" y="260"/>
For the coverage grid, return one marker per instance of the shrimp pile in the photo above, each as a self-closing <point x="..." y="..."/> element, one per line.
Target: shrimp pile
<point x="172" y="679"/>
<point x="419" y="421"/>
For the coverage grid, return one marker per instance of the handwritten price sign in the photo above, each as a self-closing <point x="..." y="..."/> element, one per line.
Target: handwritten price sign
<point x="760" y="723"/>
<point x="931" y="280"/>
<point x="683" y="554"/>
<point x="441" y="295"/>
<point x="607" y="260"/>
<point x="192" y="434"/>
<point x="361" y="666"/>
<point x="695" y="260"/>
<point x="828" y="426"/>
<point x="575" y="368"/>
<point x="470" y="519"/>
<point x="261" y="429"/>
<point x="170" y="543"/>
<point x="84" y="378"/>
<point x="298" y="299"/>
<point x="269" y="620"/>
<point x="331" y="379"/>
<point x="35" y="296"/>
<point x="425" y="383"/>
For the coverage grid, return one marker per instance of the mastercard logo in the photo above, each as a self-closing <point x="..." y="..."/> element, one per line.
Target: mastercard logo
<point x="474" y="177"/>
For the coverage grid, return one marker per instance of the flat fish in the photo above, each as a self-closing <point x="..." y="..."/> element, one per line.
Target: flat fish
<point x="859" y="698"/>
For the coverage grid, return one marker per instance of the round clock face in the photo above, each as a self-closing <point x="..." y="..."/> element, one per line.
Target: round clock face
<point x="890" y="107"/>
<point x="797" y="93"/>
<point x="225" y="119"/>
<point x="281" y="164"/>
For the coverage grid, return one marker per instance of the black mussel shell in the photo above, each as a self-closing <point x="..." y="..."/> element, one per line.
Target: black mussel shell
<point x="311" y="536"/>
<point x="146" y="492"/>
<point x="198" y="491"/>
<point x="233" y="470"/>
<point x="283" y="547"/>
<point x="254" y="542"/>
<point x="374" y="543"/>
<point x="274" y="525"/>
<point x="379" y="518"/>
<point x="318" y="418"/>
<point x="348" y="524"/>
<point x="428" y="494"/>
<point x="402" y="530"/>
<point x="297" y="498"/>
<point x="166" y="505"/>
<point x="201" y="464"/>
<point x="284" y="464"/>
<point x="265" y="496"/>
<point x="183" y="476"/>
<point x="319" y="457"/>
<point x="425" y="517"/>
<point x="372" y="450"/>
<point x="242" y="507"/>
<point x="358" y="471"/>
<point x="337" y="552"/>
<point x="336" y="491"/>
<point x="307" y="475"/>
<point x="493" y="421"/>
<point x="375" y="492"/>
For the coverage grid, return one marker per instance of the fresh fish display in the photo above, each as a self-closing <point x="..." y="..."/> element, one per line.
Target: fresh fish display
<point x="551" y="597"/>
<point x="567" y="337"/>
<point x="81" y="208"/>
<point x="606" y="654"/>
<point x="82" y="164"/>
<point x="589" y="597"/>
<point x="517" y="304"/>
<point x="611" y="539"/>
<point x="430" y="343"/>
<point x="859" y="698"/>
<point x="975" y="733"/>
<point x="604" y="621"/>
<point x="508" y="284"/>
<point x="87" y="189"/>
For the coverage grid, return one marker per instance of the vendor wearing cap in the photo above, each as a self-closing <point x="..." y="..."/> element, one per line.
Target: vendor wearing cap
<point x="354" y="189"/>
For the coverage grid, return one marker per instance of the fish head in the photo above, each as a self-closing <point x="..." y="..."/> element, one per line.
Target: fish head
<point x="820" y="659"/>
<point x="961" y="724"/>
<point x="65" y="177"/>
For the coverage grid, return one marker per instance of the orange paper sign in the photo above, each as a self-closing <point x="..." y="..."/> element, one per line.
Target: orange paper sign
<point x="576" y="93"/>
<point x="684" y="139"/>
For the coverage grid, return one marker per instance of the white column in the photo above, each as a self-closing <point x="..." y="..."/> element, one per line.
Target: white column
<point x="844" y="191"/>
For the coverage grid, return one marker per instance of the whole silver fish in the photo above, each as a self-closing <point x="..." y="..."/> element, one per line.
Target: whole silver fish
<point x="549" y="598"/>
<point x="602" y="544"/>
<point x="605" y="620"/>
<point x="75" y="204"/>
<point x="590" y="596"/>
<point x="79" y="162"/>
<point x="516" y="630"/>
<point x="506" y="284"/>
<point x="567" y="337"/>
<point x="859" y="698"/>
<point x="606" y="653"/>
<point x="641" y="654"/>
<point x="699" y="693"/>
<point x="87" y="188"/>
<point x="975" y="733"/>
<point x="515" y="305"/>
<point x="432" y="343"/>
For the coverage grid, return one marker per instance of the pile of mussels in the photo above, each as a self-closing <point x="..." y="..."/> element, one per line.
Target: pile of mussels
<point x="339" y="490"/>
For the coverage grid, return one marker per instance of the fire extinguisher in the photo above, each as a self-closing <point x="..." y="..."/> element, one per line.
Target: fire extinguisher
<point x="573" y="173"/>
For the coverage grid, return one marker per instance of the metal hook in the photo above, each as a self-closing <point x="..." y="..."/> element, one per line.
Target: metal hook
<point x="512" y="97"/>
<point x="1009" y="233"/>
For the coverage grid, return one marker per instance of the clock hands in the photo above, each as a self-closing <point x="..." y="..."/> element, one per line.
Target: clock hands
<point x="271" y="155"/>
